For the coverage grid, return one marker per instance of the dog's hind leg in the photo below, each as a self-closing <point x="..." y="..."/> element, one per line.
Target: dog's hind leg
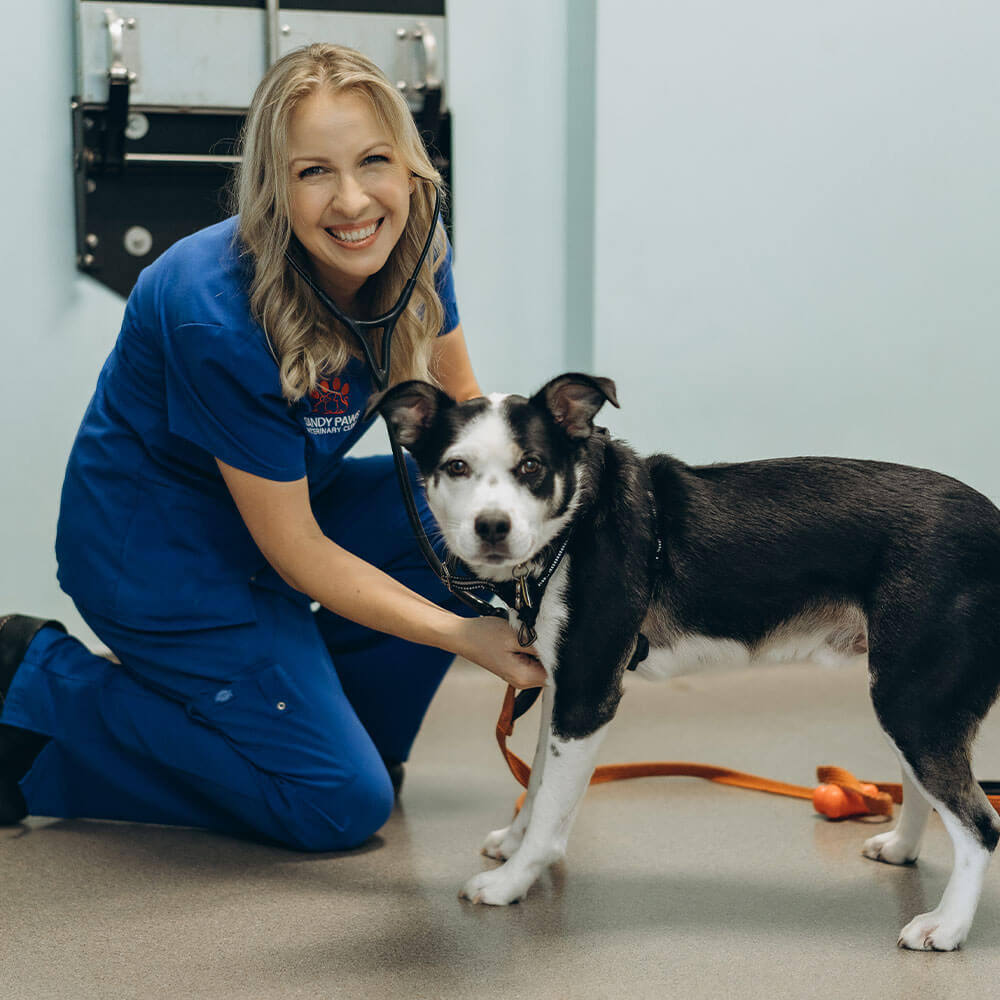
<point x="932" y="737"/>
<point x="901" y="846"/>
<point x="501" y="844"/>
<point x="972" y="824"/>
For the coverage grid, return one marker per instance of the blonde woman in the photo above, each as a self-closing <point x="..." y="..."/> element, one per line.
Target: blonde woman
<point x="278" y="633"/>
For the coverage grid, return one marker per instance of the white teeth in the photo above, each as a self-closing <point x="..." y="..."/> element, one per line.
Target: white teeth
<point x="356" y="235"/>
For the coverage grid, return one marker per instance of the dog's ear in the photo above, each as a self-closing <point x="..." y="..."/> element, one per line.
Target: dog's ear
<point x="409" y="408"/>
<point x="573" y="400"/>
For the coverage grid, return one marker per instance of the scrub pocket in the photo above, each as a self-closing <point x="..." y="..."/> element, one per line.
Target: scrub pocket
<point x="265" y="716"/>
<point x="266" y="695"/>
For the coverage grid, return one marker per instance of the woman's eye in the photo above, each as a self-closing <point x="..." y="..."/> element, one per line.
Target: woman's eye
<point x="375" y="158"/>
<point x="456" y="467"/>
<point x="309" y="172"/>
<point x="529" y="467"/>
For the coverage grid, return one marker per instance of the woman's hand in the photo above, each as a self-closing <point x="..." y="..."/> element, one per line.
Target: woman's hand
<point x="492" y="644"/>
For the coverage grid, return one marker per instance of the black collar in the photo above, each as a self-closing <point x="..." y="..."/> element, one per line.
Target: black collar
<point x="523" y="593"/>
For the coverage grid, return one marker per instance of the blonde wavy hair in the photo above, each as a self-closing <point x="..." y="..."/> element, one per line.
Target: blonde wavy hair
<point x="307" y="342"/>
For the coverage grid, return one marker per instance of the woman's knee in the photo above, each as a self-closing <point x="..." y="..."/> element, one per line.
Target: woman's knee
<point x="325" y="818"/>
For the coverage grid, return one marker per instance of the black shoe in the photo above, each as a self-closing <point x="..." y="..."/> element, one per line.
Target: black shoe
<point x="16" y="633"/>
<point x="18" y="747"/>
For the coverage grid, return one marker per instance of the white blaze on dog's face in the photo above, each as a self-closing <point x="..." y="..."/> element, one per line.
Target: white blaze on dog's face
<point x="496" y="494"/>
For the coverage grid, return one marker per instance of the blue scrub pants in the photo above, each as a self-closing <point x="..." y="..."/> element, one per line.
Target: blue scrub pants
<point x="275" y="729"/>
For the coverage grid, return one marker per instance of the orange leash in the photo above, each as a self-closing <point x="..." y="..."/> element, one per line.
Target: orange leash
<point x="838" y="795"/>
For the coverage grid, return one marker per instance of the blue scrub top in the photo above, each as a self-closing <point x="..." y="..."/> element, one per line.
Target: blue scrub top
<point x="148" y="532"/>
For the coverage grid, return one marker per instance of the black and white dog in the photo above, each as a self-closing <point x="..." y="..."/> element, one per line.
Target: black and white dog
<point x="798" y="558"/>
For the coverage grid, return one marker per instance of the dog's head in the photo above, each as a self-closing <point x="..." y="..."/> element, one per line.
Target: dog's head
<point x="501" y="472"/>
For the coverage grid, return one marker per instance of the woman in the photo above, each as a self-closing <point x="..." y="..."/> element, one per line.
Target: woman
<point x="208" y="509"/>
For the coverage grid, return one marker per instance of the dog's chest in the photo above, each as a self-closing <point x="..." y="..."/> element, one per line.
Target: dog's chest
<point x="553" y="616"/>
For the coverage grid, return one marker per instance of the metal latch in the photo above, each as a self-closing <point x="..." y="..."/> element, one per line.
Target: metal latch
<point x="417" y="71"/>
<point x="120" y="80"/>
<point x="419" y="76"/>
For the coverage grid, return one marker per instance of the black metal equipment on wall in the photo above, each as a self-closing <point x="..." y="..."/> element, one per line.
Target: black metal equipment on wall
<point x="162" y="90"/>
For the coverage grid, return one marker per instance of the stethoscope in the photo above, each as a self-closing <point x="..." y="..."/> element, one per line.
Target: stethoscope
<point x="462" y="587"/>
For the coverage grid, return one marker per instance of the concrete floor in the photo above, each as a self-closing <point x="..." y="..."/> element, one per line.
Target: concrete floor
<point x="672" y="886"/>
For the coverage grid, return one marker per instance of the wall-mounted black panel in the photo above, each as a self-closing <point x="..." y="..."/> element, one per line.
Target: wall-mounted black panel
<point x="128" y="216"/>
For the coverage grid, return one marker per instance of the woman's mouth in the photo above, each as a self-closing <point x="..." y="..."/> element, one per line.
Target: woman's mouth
<point x="356" y="237"/>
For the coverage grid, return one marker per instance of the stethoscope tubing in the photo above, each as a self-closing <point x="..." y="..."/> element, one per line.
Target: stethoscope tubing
<point x="380" y="376"/>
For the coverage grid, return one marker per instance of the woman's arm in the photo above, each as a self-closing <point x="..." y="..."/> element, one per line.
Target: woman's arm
<point x="280" y="519"/>
<point x="453" y="368"/>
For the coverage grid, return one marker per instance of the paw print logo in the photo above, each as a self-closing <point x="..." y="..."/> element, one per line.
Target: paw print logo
<point x="330" y="396"/>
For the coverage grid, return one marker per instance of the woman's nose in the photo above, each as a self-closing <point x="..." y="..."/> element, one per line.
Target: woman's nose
<point x="351" y="198"/>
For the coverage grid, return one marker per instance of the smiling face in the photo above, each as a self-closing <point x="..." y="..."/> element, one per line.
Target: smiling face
<point x="349" y="190"/>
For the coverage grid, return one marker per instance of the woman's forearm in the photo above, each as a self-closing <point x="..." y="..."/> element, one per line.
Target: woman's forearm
<point x="280" y="519"/>
<point x="358" y="591"/>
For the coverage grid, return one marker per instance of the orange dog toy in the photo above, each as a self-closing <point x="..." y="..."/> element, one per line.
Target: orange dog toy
<point x="837" y="802"/>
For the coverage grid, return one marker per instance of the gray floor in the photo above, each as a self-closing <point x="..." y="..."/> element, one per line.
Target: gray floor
<point x="672" y="887"/>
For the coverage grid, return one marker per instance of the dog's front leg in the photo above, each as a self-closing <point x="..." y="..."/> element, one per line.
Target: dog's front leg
<point x="566" y="769"/>
<point x="501" y="844"/>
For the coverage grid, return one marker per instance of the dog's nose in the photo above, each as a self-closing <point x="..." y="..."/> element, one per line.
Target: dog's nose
<point x="492" y="526"/>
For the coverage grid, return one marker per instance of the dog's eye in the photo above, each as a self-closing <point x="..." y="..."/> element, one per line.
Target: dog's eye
<point x="456" y="467"/>
<point x="528" y="467"/>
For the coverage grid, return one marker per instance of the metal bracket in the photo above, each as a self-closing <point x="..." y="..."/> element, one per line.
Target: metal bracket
<point x="419" y="71"/>
<point x="427" y="58"/>
<point x="423" y="80"/>
<point x="116" y="36"/>
<point x="120" y="80"/>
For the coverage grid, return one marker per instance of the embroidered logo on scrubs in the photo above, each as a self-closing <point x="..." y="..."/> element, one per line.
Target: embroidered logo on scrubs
<point x="330" y="397"/>
<point x="330" y="403"/>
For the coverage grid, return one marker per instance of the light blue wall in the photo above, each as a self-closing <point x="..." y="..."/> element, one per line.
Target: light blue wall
<point x="56" y="326"/>
<point x="798" y="229"/>
<point x="508" y="95"/>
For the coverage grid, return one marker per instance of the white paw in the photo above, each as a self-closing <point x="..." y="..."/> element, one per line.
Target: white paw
<point x="933" y="932"/>
<point x="501" y="844"/>
<point x="498" y="887"/>
<point x="890" y="848"/>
